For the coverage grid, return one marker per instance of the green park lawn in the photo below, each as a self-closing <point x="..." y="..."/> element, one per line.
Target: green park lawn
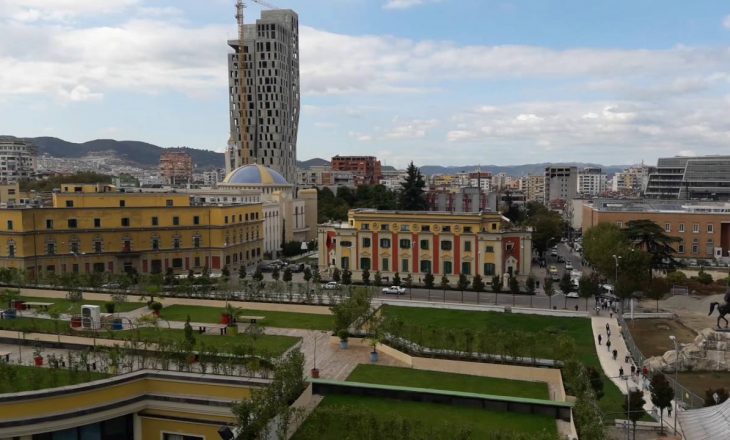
<point x="545" y="329"/>
<point x="482" y="424"/>
<point x="271" y="345"/>
<point x="62" y="305"/>
<point x="409" y="377"/>
<point x="16" y="378"/>
<point x="308" y="321"/>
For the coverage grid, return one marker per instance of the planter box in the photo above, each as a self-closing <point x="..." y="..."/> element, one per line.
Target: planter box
<point x="38" y="360"/>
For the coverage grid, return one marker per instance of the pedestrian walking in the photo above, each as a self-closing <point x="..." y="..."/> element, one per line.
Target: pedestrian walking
<point x="608" y="333"/>
<point x="633" y="370"/>
<point x="626" y="359"/>
<point x="610" y="314"/>
<point x="608" y="328"/>
<point x="608" y="345"/>
<point x="599" y="339"/>
<point x="615" y="353"/>
<point x="669" y="410"/>
<point x="621" y="372"/>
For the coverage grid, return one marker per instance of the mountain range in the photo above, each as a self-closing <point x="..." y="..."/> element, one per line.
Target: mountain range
<point x="147" y="155"/>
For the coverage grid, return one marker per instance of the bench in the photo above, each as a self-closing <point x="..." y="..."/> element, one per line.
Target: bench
<point x="250" y="319"/>
<point x="204" y="326"/>
<point x="5" y="355"/>
<point x="40" y="305"/>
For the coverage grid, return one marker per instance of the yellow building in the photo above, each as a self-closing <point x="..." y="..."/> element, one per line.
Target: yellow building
<point x="11" y="195"/>
<point x="142" y="405"/>
<point x="417" y="243"/>
<point x="95" y="228"/>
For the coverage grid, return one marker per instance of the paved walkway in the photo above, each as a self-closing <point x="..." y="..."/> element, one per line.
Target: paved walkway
<point x="611" y="367"/>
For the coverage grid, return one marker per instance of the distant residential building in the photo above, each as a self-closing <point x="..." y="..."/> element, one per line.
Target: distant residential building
<point x="270" y="97"/>
<point x="591" y="182"/>
<point x="393" y="179"/>
<point x="443" y="180"/>
<point x="703" y="177"/>
<point x="561" y="183"/>
<point x="322" y="176"/>
<point x="176" y="168"/>
<point x="500" y="181"/>
<point x="10" y="195"/>
<point x="535" y="191"/>
<point x="499" y="201"/>
<point x="367" y="169"/>
<point x="481" y="179"/>
<point x="466" y="199"/>
<point x="631" y="181"/>
<point x="17" y="159"/>
<point x="212" y="177"/>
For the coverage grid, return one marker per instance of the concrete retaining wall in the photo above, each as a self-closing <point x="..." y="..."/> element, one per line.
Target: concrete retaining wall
<point x="481" y="308"/>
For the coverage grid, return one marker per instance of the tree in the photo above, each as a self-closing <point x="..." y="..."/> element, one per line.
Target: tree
<point x="408" y="280"/>
<point x="275" y="274"/>
<point x="463" y="283"/>
<point x="547" y="226"/>
<point x="225" y="273"/>
<point x="477" y="284"/>
<point x="650" y="237"/>
<point x="530" y="284"/>
<point x="336" y="275"/>
<point x="188" y="333"/>
<point x="588" y="287"/>
<point x="601" y="243"/>
<point x="366" y="277"/>
<point x="378" y="279"/>
<point x="396" y="279"/>
<point x="514" y="285"/>
<point x="658" y="287"/>
<point x="596" y="381"/>
<point x="242" y="272"/>
<point x="287" y="277"/>
<point x="258" y="276"/>
<point x="661" y="395"/>
<point x="307" y="274"/>
<point x="346" y="277"/>
<point x="412" y="196"/>
<point x="635" y="403"/>
<point x="428" y="280"/>
<point x="444" y="283"/>
<point x="549" y="290"/>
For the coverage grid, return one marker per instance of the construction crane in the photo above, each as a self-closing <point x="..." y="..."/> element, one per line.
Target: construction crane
<point x="242" y="102"/>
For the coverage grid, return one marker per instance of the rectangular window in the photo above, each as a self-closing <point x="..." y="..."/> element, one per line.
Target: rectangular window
<point x="405" y="243"/>
<point x="385" y="243"/>
<point x="680" y="248"/>
<point x="489" y="249"/>
<point x="345" y="263"/>
<point x="11" y="250"/>
<point x="364" y="263"/>
<point x="366" y="242"/>
<point x="74" y="247"/>
<point x="426" y="228"/>
<point x="196" y="219"/>
<point x="386" y="264"/>
<point x="177" y="263"/>
<point x="125" y="221"/>
<point x="448" y="267"/>
<point x="225" y="219"/>
<point x="445" y="245"/>
<point x="10" y="225"/>
<point x="466" y="268"/>
<point x="681" y="227"/>
<point x="196" y="261"/>
<point x="404" y="228"/>
<point x="695" y="246"/>
<point x="383" y="227"/>
<point x="425" y="244"/>
<point x="97" y="223"/>
<point x="710" y="247"/>
<point x="467" y="229"/>
<point x="49" y="224"/>
<point x="620" y="224"/>
<point x="155" y="244"/>
<point x="696" y="228"/>
<point x="122" y="203"/>
<point x="365" y="227"/>
<point x="176" y="221"/>
<point x="346" y="243"/>
<point x="72" y="223"/>
<point x="467" y="246"/>
<point x="446" y="229"/>
<point x="426" y="266"/>
<point x="494" y="226"/>
<point x="667" y="227"/>
<point x="710" y="228"/>
<point x="168" y="436"/>
<point x="168" y="203"/>
<point x="196" y="242"/>
<point x="97" y="247"/>
<point x="404" y="266"/>
<point x="51" y="249"/>
<point x="69" y="203"/>
<point x="176" y="243"/>
<point x="489" y="269"/>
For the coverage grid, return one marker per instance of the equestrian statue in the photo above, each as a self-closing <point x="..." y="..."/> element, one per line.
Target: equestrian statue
<point x="723" y="309"/>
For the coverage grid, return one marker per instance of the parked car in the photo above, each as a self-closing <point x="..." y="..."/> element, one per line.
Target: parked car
<point x="395" y="290"/>
<point x="332" y="285"/>
<point x="553" y="269"/>
<point x="568" y="265"/>
<point x="111" y="286"/>
<point x="573" y="295"/>
<point x="554" y="252"/>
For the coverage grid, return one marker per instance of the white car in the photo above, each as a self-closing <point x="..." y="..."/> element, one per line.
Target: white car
<point x="332" y="285"/>
<point x="395" y="290"/>
<point x="573" y="295"/>
<point x="568" y="265"/>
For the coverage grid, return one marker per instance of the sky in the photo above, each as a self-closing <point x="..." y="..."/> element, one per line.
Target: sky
<point x="437" y="82"/>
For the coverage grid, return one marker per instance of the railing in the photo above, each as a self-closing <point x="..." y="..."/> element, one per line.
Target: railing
<point x="688" y="399"/>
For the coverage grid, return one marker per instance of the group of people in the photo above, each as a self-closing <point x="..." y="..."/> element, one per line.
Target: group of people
<point x="638" y="374"/>
<point x="606" y="304"/>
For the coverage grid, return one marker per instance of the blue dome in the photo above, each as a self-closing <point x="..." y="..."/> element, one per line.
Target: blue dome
<point x="255" y="175"/>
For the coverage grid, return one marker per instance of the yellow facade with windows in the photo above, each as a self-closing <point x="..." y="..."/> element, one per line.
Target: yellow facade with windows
<point x="109" y="231"/>
<point x="417" y="243"/>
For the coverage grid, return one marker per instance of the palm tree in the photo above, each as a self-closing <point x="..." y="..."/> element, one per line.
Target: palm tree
<point x="650" y="237"/>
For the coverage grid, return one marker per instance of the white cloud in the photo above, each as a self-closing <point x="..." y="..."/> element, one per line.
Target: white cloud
<point x="413" y="129"/>
<point x="60" y="10"/>
<point x="726" y="22"/>
<point x="402" y="4"/>
<point x="79" y="93"/>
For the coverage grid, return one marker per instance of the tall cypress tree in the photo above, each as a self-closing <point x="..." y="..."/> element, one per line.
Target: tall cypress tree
<point x="412" y="196"/>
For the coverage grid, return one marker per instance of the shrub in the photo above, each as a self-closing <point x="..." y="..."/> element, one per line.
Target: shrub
<point x="676" y="277"/>
<point x="109" y="307"/>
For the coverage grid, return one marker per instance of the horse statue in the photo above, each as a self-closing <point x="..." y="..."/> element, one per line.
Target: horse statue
<point x="722" y="309"/>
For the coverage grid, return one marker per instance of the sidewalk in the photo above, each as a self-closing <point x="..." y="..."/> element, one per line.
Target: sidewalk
<point x="611" y="367"/>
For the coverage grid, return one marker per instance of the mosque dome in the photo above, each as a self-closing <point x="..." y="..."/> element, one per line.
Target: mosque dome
<point x="254" y="174"/>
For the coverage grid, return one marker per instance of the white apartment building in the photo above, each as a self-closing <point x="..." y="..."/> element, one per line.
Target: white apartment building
<point x="17" y="159"/>
<point x="591" y="182"/>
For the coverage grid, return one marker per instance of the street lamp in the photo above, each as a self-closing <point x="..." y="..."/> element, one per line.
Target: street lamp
<point x="615" y="279"/>
<point x="676" y="366"/>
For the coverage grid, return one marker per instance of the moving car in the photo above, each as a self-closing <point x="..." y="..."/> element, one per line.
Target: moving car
<point x="396" y="290"/>
<point x="553" y="269"/>
<point x="554" y="252"/>
<point x="568" y="265"/>
<point x="332" y="285"/>
<point x="573" y="295"/>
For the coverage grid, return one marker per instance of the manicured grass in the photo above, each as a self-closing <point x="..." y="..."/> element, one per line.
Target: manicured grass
<point x="410" y="377"/>
<point x="308" y="321"/>
<point x="16" y="378"/>
<point x="482" y="424"/>
<point x="271" y="345"/>
<point x="62" y="305"/>
<point x="544" y="329"/>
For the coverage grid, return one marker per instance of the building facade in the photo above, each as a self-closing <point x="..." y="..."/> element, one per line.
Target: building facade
<point x="17" y="159"/>
<point x="94" y="228"/>
<point x="704" y="177"/>
<point x="467" y="199"/>
<point x="561" y="183"/>
<point x="535" y="191"/>
<point x="176" y="168"/>
<point x="703" y="228"/>
<point x="418" y="243"/>
<point x="631" y="181"/>
<point x="591" y="182"/>
<point x="366" y="169"/>
<point x="264" y="94"/>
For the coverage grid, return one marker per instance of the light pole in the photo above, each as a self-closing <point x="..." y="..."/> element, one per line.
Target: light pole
<point x="615" y="278"/>
<point x="676" y="367"/>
